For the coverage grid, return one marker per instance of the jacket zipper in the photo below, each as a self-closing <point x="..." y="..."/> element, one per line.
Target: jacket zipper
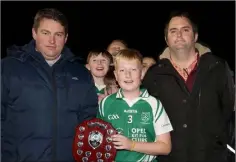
<point x="54" y="113"/>
<point x="54" y="117"/>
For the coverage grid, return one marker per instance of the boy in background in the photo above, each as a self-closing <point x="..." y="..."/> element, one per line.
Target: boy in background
<point x="115" y="46"/>
<point x="140" y="119"/>
<point x="110" y="82"/>
<point x="147" y="63"/>
<point x="98" y="62"/>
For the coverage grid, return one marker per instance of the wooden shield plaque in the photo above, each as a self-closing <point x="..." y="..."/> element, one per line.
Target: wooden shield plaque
<point x="93" y="142"/>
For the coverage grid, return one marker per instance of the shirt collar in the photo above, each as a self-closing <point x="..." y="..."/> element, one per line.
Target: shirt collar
<point x="99" y="87"/>
<point x="144" y="93"/>
<point x="191" y="66"/>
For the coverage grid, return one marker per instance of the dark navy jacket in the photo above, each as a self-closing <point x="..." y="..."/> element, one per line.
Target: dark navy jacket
<point x="41" y="105"/>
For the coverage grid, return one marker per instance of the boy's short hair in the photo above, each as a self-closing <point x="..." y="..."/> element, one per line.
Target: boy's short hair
<point x="129" y="54"/>
<point x="97" y="52"/>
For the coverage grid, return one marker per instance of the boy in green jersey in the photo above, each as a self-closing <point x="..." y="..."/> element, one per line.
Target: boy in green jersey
<point x="98" y="62"/>
<point x="140" y="119"/>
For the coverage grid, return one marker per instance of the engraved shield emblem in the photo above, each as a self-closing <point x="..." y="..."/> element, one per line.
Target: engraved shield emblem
<point x="95" y="139"/>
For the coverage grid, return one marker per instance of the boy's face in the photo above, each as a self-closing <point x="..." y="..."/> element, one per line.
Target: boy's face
<point x="147" y="63"/>
<point x="128" y="74"/>
<point x="112" y="87"/>
<point x="115" y="47"/>
<point x="98" y="65"/>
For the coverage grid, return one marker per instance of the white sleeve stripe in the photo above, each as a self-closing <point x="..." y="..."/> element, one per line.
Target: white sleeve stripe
<point x="103" y="103"/>
<point x="100" y="109"/>
<point x="103" y="107"/>
<point x="145" y="92"/>
<point x="159" y="109"/>
<point x="162" y="108"/>
<point x="158" y="104"/>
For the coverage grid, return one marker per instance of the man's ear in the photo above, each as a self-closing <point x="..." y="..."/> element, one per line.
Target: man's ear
<point x="166" y="40"/>
<point x="34" y="33"/>
<point x="66" y="38"/>
<point x="195" y="37"/>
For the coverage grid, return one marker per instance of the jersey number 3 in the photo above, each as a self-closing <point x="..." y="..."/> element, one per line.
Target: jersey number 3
<point x="130" y="118"/>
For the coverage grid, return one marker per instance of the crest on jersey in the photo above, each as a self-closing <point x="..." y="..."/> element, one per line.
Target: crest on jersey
<point x="120" y="131"/>
<point x="145" y="117"/>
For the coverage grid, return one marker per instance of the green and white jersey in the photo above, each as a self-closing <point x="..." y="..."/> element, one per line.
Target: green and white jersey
<point x="140" y="120"/>
<point x="100" y="89"/>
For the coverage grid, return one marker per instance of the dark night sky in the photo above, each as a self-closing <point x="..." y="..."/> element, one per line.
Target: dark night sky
<point x="141" y="24"/>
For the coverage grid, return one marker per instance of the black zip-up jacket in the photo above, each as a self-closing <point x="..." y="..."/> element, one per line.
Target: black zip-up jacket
<point x="200" y="118"/>
<point x="41" y="105"/>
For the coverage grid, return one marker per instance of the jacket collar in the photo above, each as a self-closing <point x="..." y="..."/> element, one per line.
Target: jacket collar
<point x="201" y="50"/>
<point x="23" y="52"/>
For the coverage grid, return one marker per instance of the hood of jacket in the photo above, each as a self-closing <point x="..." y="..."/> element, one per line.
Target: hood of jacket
<point x="23" y="52"/>
<point x="201" y="49"/>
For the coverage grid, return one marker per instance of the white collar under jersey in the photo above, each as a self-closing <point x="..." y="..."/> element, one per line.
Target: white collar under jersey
<point x="51" y="62"/>
<point x="99" y="87"/>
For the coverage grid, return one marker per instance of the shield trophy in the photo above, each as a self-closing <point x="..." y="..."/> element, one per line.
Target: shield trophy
<point x="93" y="143"/>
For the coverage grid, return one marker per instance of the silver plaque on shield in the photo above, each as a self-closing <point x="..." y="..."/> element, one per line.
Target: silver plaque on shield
<point x="95" y="139"/>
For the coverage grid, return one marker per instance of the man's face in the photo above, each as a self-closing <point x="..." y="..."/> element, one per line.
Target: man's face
<point x="180" y="34"/>
<point x="128" y="74"/>
<point x="98" y="65"/>
<point x="115" y="47"/>
<point x="50" y="38"/>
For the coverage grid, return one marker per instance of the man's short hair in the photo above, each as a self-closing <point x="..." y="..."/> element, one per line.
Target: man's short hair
<point x="50" y="13"/>
<point x="180" y="14"/>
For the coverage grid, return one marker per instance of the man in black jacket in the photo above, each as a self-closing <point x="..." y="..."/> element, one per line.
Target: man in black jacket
<point x="197" y="92"/>
<point x="46" y="92"/>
